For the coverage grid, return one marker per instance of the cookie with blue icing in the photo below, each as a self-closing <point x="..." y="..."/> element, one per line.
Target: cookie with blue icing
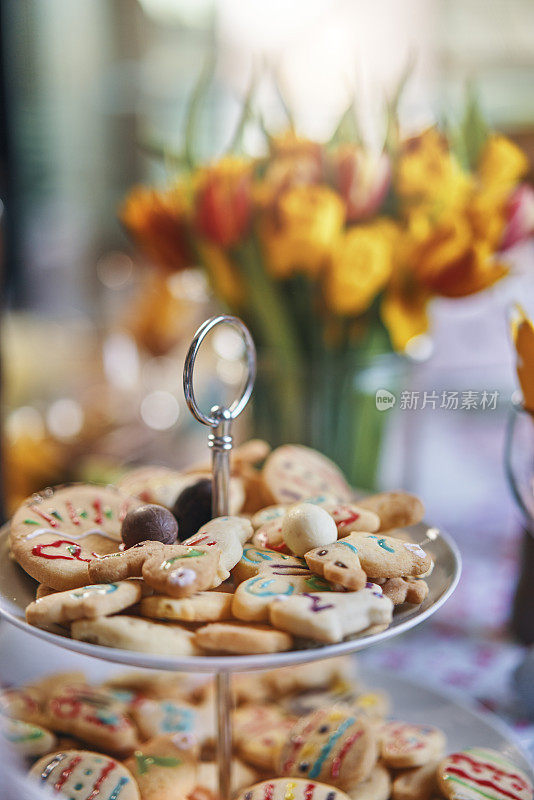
<point x="86" y="602"/>
<point x="334" y="745"/>
<point x="81" y="774"/>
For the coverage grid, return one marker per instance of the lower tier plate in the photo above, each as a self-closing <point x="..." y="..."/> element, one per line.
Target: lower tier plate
<point x="17" y="589"/>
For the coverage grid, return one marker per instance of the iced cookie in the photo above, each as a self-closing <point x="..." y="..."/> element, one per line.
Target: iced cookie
<point x="306" y="526"/>
<point x="162" y="485"/>
<point x="180" y="571"/>
<point x="268" y="514"/>
<point x="379" y="556"/>
<point x="330" y="673"/>
<point x="331" y="745"/>
<point x="330" y="616"/>
<point x="269" y="536"/>
<point x="82" y="775"/>
<point x="338" y="563"/>
<point x="405" y="590"/>
<point x="253" y="597"/>
<point x="420" y="783"/>
<point x="165" y="768"/>
<point x="395" y="509"/>
<point x="291" y="789"/>
<point x="403" y="744"/>
<point x="260" y="731"/>
<point x="88" y="602"/>
<point x="229" y="534"/>
<point x="134" y="633"/>
<point x="201" y="607"/>
<point x="349" y="518"/>
<point x="157" y="717"/>
<point x="124" y="564"/>
<point x="376" y="787"/>
<point x="482" y="773"/>
<point x="293" y="473"/>
<point x="26" y="704"/>
<point x="240" y="638"/>
<point x="26" y="739"/>
<point x="93" y="716"/>
<point x="55" y="535"/>
<point x="256" y="560"/>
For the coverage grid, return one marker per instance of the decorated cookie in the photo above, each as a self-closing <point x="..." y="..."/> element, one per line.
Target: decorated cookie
<point x="403" y="744"/>
<point x="349" y="518"/>
<point x="124" y="564"/>
<point x="165" y="768"/>
<point x="478" y="773"/>
<point x="293" y="473"/>
<point x="332" y="745"/>
<point x="376" y="787"/>
<point x="260" y="732"/>
<point x="306" y="526"/>
<point x="338" y="563"/>
<point x="201" y="607"/>
<point x="180" y="571"/>
<point x="162" y="485"/>
<point x="294" y="788"/>
<point x="330" y="616"/>
<point x="149" y="523"/>
<point x="26" y="704"/>
<point x="26" y="739"/>
<point x="405" y="590"/>
<point x="256" y="560"/>
<point x="134" y="633"/>
<point x="395" y="509"/>
<point x="253" y="597"/>
<point x="229" y="534"/>
<point x="379" y="556"/>
<point x="93" y="716"/>
<point x="55" y="535"/>
<point x="269" y="536"/>
<point x="82" y="775"/>
<point x="419" y="783"/>
<point x="158" y="717"/>
<point x="329" y="674"/>
<point x="235" y="637"/>
<point x="163" y="685"/>
<point x="268" y="514"/>
<point x="87" y="602"/>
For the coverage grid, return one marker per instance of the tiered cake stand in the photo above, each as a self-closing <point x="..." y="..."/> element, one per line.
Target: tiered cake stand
<point x="17" y="589"/>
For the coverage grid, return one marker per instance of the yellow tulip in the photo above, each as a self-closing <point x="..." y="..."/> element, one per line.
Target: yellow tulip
<point x="404" y="312"/>
<point x="502" y="164"/>
<point x="427" y="173"/>
<point x="299" y="233"/>
<point x="487" y="213"/>
<point x="360" y="267"/>
<point x="523" y="336"/>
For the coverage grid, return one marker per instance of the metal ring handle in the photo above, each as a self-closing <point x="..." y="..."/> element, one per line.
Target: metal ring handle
<point x="238" y="405"/>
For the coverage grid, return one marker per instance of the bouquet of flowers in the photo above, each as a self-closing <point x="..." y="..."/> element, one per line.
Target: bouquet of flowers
<point x="332" y="252"/>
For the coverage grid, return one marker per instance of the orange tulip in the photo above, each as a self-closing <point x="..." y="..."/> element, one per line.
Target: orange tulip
<point x="523" y="335"/>
<point x="157" y="221"/>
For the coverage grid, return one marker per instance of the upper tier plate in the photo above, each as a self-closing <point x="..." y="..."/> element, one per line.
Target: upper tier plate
<point x="17" y="589"/>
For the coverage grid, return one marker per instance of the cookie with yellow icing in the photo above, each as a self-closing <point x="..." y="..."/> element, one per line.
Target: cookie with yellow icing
<point x="291" y="789"/>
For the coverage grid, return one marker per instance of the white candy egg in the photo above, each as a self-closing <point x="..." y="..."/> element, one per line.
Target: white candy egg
<point x="306" y="526"/>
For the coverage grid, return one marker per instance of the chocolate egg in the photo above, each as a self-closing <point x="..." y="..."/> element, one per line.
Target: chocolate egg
<point x="149" y="523"/>
<point x="192" y="508"/>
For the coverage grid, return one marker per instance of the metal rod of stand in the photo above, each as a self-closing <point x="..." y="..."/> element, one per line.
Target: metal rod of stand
<point x="223" y="701"/>
<point x="220" y="442"/>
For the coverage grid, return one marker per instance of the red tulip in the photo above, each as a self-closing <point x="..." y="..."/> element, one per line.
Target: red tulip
<point x="362" y="179"/>
<point x="224" y="203"/>
<point x="519" y="216"/>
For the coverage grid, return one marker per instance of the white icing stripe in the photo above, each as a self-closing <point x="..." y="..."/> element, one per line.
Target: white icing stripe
<point x="75" y="536"/>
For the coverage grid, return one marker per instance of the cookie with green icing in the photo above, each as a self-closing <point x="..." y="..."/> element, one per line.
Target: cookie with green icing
<point x="56" y="534"/>
<point x="81" y="774"/>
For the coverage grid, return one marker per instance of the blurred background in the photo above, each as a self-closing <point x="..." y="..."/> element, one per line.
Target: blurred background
<point x="90" y="90"/>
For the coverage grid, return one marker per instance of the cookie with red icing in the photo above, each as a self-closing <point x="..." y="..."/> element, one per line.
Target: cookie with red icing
<point x="332" y="745"/>
<point x="56" y="534"/>
<point x="404" y="744"/>
<point x="292" y="473"/>
<point x="80" y="774"/>
<point x="482" y="774"/>
<point x="295" y="788"/>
